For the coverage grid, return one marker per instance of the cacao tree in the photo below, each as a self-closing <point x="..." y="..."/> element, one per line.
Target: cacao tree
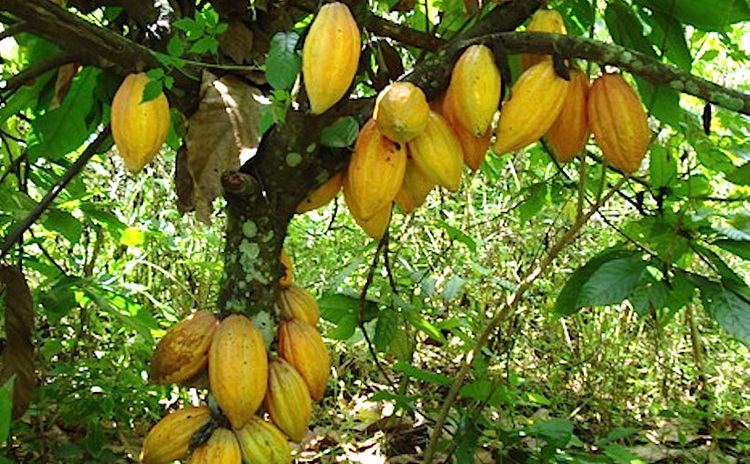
<point x="270" y="109"/>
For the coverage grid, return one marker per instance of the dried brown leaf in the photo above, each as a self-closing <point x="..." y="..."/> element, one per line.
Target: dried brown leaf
<point x="472" y="7"/>
<point x="222" y="134"/>
<point x="404" y="5"/>
<point x="183" y="182"/>
<point x="65" y="75"/>
<point x="18" y="355"/>
<point x="237" y="42"/>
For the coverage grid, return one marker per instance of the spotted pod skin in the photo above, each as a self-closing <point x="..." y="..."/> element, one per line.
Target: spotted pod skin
<point x="568" y="135"/>
<point x="330" y="56"/>
<point x="542" y="21"/>
<point x="221" y="448"/>
<point x="536" y="101"/>
<point x="139" y="128"/>
<point x="183" y="351"/>
<point x="375" y="171"/>
<point x="297" y="303"/>
<point x="238" y="369"/>
<point x="323" y="194"/>
<point x="288" y="400"/>
<point x="619" y="122"/>
<point x="303" y="348"/>
<point x="437" y="153"/>
<point x="401" y="111"/>
<point x="475" y="90"/>
<point x="169" y="439"/>
<point x="262" y="443"/>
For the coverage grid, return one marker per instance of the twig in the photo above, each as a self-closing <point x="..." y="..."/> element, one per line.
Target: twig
<point x="14" y="29"/>
<point x="507" y="309"/>
<point x="72" y="171"/>
<point x="39" y="68"/>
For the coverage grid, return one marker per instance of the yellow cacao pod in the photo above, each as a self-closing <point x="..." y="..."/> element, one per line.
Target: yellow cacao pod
<point x="139" y="128"/>
<point x="568" y="135"/>
<point x="330" y="56"/>
<point x="302" y="347"/>
<point x="542" y="21"/>
<point x="183" y="351"/>
<point x="286" y="265"/>
<point x="401" y="111"/>
<point x="221" y="448"/>
<point x="619" y="122"/>
<point x="297" y="303"/>
<point x="437" y="153"/>
<point x="376" y="226"/>
<point x="475" y="89"/>
<point x="414" y="189"/>
<point x="238" y="369"/>
<point x="288" y="399"/>
<point x="169" y="439"/>
<point x="262" y="443"/>
<point x="474" y="148"/>
<point x="375" y="171"/>
<point x="322" y="195"/>
<point x="535" y="103"/>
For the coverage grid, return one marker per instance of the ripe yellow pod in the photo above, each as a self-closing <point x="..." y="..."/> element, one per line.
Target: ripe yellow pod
<point x="568" y="135"/>
<point x="238" y="369"/>
<point x="288" y="399"/>
<point x="183" y="351"/>
<point x="475" y="89"/>
<point x="330" y="56"/>
<point x="262" y="443"/>
<point x="221" y="448"/>
<point x="302" y="347"/>
<point x="414" y="189"/>
<point x="286" y="263"/>
<point x="139" y="128"/>
<point x="542" y="21"/>
<point x="297" y="303"/>
<point x="401" y="111"/>
<point x="535" y="103"/>
<point x="322" y="195"/>
<point x="376" y="226"/>
<point x="437" y="153"/>
<point x="169" y="439"/>
<point x="375" y="171"/>
<point x="619" y="122"/>
<point x="474" y="148"/>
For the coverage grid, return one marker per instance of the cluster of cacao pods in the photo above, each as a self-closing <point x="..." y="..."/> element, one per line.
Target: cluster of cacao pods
<point x="139" y="128"/>
<point x="241" y="378"/>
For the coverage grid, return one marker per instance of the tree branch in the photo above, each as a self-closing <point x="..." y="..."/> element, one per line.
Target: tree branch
<point x="72" y="171"/>
<point x="40" y="67"/>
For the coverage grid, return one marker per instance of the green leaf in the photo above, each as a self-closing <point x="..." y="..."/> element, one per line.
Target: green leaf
<point x="193" y="29"/>
<point x="95" y="439"/>
<point x="152" y="90"/>
<point x="556" y="432"/>
<point x="283" y="63"/>
<point x="739" y="248"/>
<point x="459" y="236"/>
<point x="176" y="46"/>
<point x="741" y="175"/>
<point x="568" y="300"/>
<point x="534" y="201"/>
<point x="663" y="167"/>
<point x="341" y="134"/>
<point x="6" y="408"/>
<point x="726" y="307"/>
<point x="651" y="294"/>
<point x="423" y="375"/>
<point x="714" y="15"/>
<point x="385" y="329"/>
<point x="668" y="35"/>
<point x="205" y="45"/>
<point x="132" y="237"/>
<point x="612" y="282"/>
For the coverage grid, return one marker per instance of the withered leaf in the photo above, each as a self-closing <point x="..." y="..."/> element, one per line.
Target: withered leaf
<point x="222" y="134"/>
<point x="237" y="42"/>
<point x="65" y="75"/>
<point x="18" y="355"/>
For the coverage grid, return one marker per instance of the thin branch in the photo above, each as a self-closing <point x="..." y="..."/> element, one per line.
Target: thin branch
<point x="72" y="171"/>
<point x="40" y="67"/>
<point x="507" y="309"/>
<point x="13" y="29"/>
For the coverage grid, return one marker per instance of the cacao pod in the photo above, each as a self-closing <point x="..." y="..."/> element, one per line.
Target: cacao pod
<point x="221" y="448"/>
<point x="619" y="122"/>
<point x="535" y="103"/>
<point x="475" y="89"/>
<point x="414" y="189"/>
<point x="474" y="148"/>
<point x="139" y="128"/>
<point x="262" y="443"/>
<point x="169" y="439"/>
<point x="183" y="351"/>
<point x="288" y="399"/>
<point x="568" y="135"/>
<point x="322" y="195"/>
<point x="437" y="153"/>
<point x="401" y="111"/>
<point x="375" y="171"/>
<point x="286" y="263"/>
<point x="376" y="226"/>
<point x="542" y="21"/>
<point x="238" y="369"/>
<point x="330" y="56"/>
<point x="297" y="303"/>
<point x="302" y="347"/>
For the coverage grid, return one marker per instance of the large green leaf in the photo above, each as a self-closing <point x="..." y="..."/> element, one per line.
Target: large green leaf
<point x="612" y="282"/>
<point x="668" y="35"/>
<point x="283" y="62"/>
<point x="711" y="15"/>
<point x="729" y="309"/>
